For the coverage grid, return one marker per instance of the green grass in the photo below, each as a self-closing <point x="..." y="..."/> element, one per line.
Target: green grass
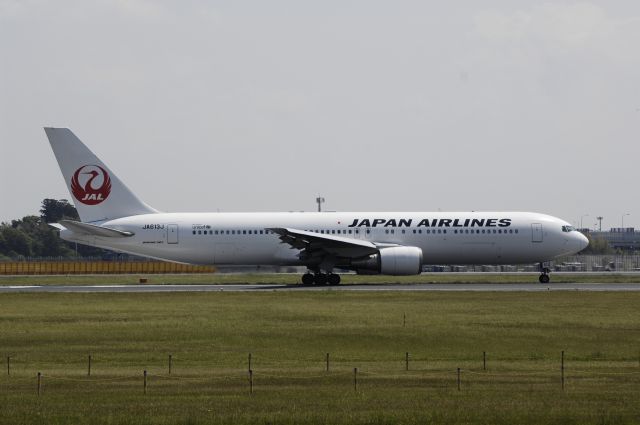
<point x="288" y="334"/>
<point x="285" y="278"/>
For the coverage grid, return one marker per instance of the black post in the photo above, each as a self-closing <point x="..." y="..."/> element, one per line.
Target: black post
<point x="89" y="366"/>
<point x="327" y="362"/>
<point x="484" y="360"/>
<point x="250" y="381"/>
<point x="562" y="368"/>
<point x="39" y="382"/>
<point x="404" y="320"/>
<point x="458" y="379"/>
<point x="406" y="360"/>
<point x="249" y="362"/>
<point x="355" y="379"/>
<point x="170" y="364"/>
<point x="145" y="381"/>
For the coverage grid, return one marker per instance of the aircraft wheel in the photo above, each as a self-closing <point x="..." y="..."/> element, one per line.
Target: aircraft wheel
<point x="544" y="278"/>
<point x="320" y="279"/>
<point x="307" y="279"/>
<point x="334" y="279"/>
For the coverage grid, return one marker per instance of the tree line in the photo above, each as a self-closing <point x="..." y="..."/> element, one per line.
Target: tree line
<point x="31" y="236"/>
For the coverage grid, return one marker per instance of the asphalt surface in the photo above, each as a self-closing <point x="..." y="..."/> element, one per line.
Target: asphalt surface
<point x="473" y="287"/>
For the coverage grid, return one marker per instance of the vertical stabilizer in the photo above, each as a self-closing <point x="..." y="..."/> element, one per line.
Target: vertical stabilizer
<point x="96" y="191"/>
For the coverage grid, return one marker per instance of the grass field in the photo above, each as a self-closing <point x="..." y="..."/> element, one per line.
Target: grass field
<point x="210" y="335"/>
<point x="285" y="278"/>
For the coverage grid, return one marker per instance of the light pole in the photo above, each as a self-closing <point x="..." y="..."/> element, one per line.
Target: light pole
<point x="599" y="218"/>
<point x="581" y="217"/>
<point x="623" y="215"/>
<point x="319" y="200"/>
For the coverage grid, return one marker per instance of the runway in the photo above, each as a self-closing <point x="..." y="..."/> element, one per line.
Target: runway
<point x="442" y="287"/>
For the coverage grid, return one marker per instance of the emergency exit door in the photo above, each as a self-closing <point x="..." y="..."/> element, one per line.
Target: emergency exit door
<point x="536" y="232"/>
<point x="172" y="233"/>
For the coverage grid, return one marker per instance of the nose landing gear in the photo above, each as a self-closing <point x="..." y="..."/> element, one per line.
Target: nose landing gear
<point x="544" y="276"/>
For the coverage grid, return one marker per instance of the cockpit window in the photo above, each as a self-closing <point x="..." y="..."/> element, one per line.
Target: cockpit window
<point x="568" y="229"/>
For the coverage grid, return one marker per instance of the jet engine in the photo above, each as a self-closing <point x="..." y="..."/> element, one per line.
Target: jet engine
<point x="395" y="260"/>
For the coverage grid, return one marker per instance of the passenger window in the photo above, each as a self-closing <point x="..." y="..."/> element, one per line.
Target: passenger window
<point x="368" y="231"/>
<point x="194" y="232"/>
<point x="357" y="232"/>
<point x="386" y="231"/>
<point x="349" y="231"/>
<point x="516" y="231"/>
<point x="420" y="231"/>
<point x="392" y="231"/>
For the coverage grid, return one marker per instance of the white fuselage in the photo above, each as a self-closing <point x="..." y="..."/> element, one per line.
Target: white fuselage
<point x="244" y="238"/>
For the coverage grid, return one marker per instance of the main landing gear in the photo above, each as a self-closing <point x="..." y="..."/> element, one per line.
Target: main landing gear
<point x="544" y="276"/>
<point x="320" y="279"/>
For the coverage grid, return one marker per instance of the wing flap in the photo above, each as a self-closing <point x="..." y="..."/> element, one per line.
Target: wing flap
<point x="328" y="244"/>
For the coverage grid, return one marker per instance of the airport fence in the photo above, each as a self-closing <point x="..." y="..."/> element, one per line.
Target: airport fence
<point x="64" y="266"/>
<point x="572" y="263"/>
<point x="598" y="263"/>
<point x="562" y="373"/>
<point x="98" y="267"/>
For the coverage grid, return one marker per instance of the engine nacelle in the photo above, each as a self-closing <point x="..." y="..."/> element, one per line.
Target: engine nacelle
<point x="395" y="260"/>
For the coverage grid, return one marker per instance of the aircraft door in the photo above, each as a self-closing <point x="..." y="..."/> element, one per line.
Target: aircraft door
<point x="172" y="233"/>
<point x="536" y="232"/>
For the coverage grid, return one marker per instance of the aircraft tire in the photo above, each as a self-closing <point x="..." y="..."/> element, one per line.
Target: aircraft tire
<point x="307" y="279"/>
<point x="320" y="279"/>
<point x="544" y="278"/>
<point x="334" y="279"/>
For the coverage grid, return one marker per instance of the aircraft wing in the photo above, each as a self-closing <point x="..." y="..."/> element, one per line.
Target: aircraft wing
<point x="90" y="229"/>
<point x="314" y="244"/>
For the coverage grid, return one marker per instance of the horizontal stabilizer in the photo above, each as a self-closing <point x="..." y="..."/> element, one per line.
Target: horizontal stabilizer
<point x="90" y="229"/>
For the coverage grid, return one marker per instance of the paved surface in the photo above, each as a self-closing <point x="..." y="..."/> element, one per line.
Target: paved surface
<point x="480" y="287"/>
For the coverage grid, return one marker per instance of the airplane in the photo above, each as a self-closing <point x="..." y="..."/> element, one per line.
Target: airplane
<point x="388" y="243"/>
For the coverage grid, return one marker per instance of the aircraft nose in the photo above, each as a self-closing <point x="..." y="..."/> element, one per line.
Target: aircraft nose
<point x="582" y="241"/>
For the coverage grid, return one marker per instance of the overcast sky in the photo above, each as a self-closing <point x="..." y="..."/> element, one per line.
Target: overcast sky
<point x="389" y="106"/>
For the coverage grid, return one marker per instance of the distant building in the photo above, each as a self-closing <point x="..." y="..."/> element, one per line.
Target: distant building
<point x="624" y="238"/>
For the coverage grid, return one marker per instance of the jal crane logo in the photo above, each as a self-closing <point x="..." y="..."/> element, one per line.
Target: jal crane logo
<point x="91" y="184"/>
